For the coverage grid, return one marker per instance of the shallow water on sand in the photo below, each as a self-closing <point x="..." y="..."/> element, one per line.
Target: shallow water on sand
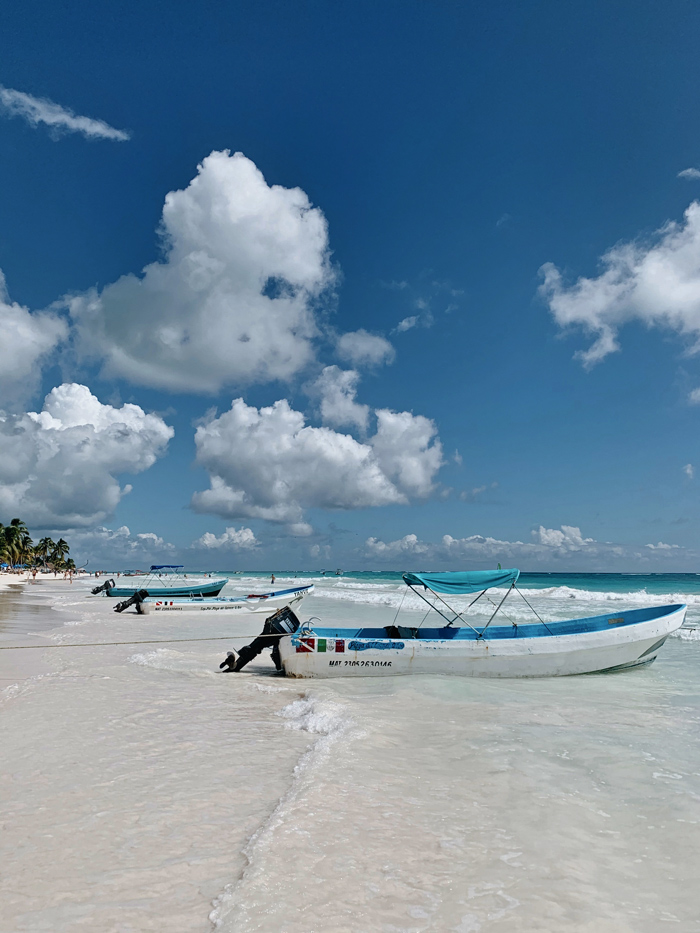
<point x="142" y="790"/>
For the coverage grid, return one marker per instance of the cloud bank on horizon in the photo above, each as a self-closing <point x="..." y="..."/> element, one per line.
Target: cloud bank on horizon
<point x="41" y="110"/>
<point x="548" y="547"/>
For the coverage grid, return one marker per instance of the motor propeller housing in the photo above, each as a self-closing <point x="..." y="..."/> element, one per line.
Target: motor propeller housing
<point x="283" y="622"/>
<point x="134" y="600"/>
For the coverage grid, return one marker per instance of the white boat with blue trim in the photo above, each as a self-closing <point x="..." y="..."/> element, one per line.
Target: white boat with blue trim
<point x="266" y="603"/>
<point x="165" y="580"/>
<point x="595" y="644"/>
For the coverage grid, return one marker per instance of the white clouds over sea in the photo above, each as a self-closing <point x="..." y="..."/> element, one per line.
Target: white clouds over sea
<point x="549" y="547"/>
<point x="655" y="282"/>
<point x="237" y="539"/>
<point x="268" y="463"/>
<point x="59" y="466"/>
<point x="27" y="340"/>
<point x="234" y="299"/>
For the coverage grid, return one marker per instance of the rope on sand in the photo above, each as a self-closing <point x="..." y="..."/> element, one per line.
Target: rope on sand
<point x="102" y="644"/>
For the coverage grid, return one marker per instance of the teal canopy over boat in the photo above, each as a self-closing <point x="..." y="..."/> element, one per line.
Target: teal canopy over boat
<point x="458" y="582"/>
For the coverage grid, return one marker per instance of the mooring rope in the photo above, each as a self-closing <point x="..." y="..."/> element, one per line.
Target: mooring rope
<point x="103" y="644"/>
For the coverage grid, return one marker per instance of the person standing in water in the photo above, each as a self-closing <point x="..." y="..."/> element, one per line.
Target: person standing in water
<point x="272" y="579"/>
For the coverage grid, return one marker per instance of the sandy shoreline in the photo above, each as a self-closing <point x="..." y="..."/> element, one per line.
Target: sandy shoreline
<point x="12" y="579"/>
<point x="26" y="619"/>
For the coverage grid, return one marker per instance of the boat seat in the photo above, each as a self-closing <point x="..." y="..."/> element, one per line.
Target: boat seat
<point x="401" y="631"/>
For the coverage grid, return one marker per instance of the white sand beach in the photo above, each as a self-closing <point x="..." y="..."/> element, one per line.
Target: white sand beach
<point x="13" y="579"/>
<point x="142" y="790"/>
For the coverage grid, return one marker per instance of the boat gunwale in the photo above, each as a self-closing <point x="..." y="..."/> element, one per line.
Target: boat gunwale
<point x="217" y="600"/>
<point x="536" y="630"/>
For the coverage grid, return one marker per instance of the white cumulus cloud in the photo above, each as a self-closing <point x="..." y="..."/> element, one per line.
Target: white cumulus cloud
<point x="408" y="451"/>
<point x="232" y="302"/>
<point x="25" y="342"/>
<point x="336" y="389"/>
<point x="36" y="110"/>
<point x="58" y="467"/>
<point x="268" y="463"/>
<point x="689" y="470"/>
<point x="657" y="283"/>
<point x="360" y="348"/>
<point x="568" y="537"/>
<point x="237" y="539"/>
<point x="692" y="174"/>
<point x="407" y="546"/>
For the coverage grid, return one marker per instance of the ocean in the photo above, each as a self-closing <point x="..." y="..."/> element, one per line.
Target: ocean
<point x="143" y="790"/>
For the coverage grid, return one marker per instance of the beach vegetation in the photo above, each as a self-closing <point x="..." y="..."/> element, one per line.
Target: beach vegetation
<point x="17" y="549"/>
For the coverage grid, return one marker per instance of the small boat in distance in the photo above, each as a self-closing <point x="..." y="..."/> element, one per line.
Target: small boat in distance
<point x="597" y="644"/>
<point x="267" y="603"/>
<point x="166" y="580"/>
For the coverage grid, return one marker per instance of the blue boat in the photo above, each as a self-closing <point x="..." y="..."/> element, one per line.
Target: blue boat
<point x="166" y="580"/>
<point x="610" y="642"/>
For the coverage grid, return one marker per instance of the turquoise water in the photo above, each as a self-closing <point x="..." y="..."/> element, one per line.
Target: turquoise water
<point x="590" y="582"/>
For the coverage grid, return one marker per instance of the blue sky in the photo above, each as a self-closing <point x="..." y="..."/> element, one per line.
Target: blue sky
<point x="373" y="263"/>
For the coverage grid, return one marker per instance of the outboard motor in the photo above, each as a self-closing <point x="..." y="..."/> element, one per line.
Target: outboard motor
<point x="134" y="600"/>
<point x="283" y="622"/>
<point x="108" y="584"/>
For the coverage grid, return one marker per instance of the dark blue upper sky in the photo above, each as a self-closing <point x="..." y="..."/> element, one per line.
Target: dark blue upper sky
<point x="454" y="148"/>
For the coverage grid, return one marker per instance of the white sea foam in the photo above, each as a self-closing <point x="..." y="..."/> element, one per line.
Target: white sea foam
<point x="329" y="721"/>
<point x="687" y="633"/>
<point x="169" y="659"/>
<point x="13" y="691"/>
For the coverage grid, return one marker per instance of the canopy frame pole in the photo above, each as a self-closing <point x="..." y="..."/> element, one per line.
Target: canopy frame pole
<point x="460" y="615"/>
<point x="474" y="601"/>
<point x="400" y="605"/>
<point x="433" y="606"/>
<point x="534" y="610"/>
<point x="508" y="592"/>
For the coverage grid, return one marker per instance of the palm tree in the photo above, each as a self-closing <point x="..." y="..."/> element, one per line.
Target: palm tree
<point x="45" y="547"/>
<point x="17" y="542"/>
<point x="59" y="553"/>
<point x="25" y="549"/>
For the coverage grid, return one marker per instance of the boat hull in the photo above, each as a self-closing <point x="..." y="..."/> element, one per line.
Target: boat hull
<point x="613" y="643"/>
<point x="265" y="604"/>
<point x="183" y="590"/>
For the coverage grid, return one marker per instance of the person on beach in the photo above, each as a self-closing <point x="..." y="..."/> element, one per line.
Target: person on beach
<point x="272" y="579"/>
